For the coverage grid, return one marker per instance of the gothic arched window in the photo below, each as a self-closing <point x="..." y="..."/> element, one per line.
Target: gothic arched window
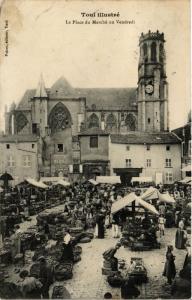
<point x="145" y="49"/>
<point x="130" y="122"/>
<point x="111" y="122"/>
<point x="21" y="121"/>
<point x="59" y="118"/>
<point x="153" y="52"/>
<point x="93" y="121"/>
<point x="161" y="53"/>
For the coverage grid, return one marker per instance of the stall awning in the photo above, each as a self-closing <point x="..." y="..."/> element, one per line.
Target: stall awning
<point x="108" y="179"/>
<point x="38" y="184"/>
<point x="152" y="193"/>
<point x="141" y="179"/>
<point x="186" y="168"/>
<point x="50" y="179"/>
<point x="166" y="198"/>
<point x="186" y="180"/>
<point x="128" y="199"/>
<point x="62" y="182"/>
<point x="93" y="181"/>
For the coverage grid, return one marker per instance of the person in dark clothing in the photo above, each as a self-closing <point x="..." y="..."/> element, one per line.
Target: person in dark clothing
<point x="35" y="242"/>
<point x="45" y="277"/>
<point x="169" y="269"/>
<point x="180" y="239"/>
<point x="67" y="253"/>
<point x="129" y="290"/>
<point x="101" y="226"/>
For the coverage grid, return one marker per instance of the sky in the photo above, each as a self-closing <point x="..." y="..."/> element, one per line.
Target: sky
<point x="89" y="55"/>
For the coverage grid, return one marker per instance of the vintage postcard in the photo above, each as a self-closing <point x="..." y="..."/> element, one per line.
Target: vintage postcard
<point x="95" y="149"/>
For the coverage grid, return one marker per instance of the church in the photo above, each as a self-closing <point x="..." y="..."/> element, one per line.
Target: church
<point x="71" y="132"/>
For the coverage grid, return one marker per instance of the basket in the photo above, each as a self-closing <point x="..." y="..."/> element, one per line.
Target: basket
<point x="63" y="271"/>
<point x="115" y="280"/>
<point x="85" y="240"/>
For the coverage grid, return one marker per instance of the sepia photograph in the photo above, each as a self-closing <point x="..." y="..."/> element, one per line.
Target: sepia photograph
<point x="95" y="149"/>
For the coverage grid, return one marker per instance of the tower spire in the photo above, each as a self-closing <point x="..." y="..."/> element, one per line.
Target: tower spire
<point x="41" y="91"/>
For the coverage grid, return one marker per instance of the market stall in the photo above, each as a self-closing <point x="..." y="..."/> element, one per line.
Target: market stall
<point x="153" y="194"/>
<point x="62" y="182"/>
<point x="139" y="230"/>
<point x="92" y="181"/>
<point x="142" y="181"/>
<point x="108" y="179"/>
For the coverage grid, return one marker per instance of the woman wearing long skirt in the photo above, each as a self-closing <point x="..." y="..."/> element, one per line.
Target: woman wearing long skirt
<point x="180" y="239"/>
<point x="169" y="269"/>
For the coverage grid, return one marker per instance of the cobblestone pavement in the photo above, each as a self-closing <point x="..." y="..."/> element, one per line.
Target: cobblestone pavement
<point x="88" y="281"/>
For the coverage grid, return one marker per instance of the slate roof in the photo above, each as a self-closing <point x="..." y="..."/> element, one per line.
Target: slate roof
<point x="102" y="98"/>
<point x="18" y="138"/>
<point x="110" y="98"/>
<point x="93" y="131"/>
<point x="145" y="138"/>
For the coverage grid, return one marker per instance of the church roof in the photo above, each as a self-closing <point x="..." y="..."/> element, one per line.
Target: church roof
<point x="145" y="138"/>
<point x="41" y="91"/>
<point x="109" y="98"/>
<point x="18" y="138"/>
<point x="61" y="89"/>
<point x="96" y="98"/>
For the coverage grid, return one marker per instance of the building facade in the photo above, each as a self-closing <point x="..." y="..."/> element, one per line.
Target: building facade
<point x="184" y="133"/>
<point x="19" y="157"/>
<point x="74" y="126"/>
<point x="156" y="155"/>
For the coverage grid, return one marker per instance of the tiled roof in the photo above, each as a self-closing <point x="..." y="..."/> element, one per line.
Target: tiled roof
<point x="101" y="98"/>
<point x="184" y="131"/>
<point x="93" y="131"/>
<point x="145" y="138"/>
<point x="18" y="138"/>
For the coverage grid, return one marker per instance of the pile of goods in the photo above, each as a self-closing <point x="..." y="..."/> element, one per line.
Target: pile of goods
<point x="60" y="292"/>
<point x="64" y="271"/>
<point x="139" y="239"/>
<point x="137" y="270"/>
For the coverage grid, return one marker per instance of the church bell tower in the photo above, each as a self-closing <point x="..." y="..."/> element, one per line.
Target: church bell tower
<point x="152" y="84"/>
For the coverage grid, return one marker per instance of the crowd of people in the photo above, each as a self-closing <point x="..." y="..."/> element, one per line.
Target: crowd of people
<point x="88" y="206"/>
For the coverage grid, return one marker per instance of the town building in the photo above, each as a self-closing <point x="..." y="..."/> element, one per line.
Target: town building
<point x="184" y="133"/>
<point x="78" y="129"/>
<point x="155" y="155"/>
<point x="19" y="156"/>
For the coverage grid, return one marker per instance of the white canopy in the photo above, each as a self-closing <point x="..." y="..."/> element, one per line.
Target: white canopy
<point x="50" y="179"/>
<point x="186" y="180"/>
<point x="93" y="181"/>
<point x="166" y="198"/>
<point x="36" y="183"/>
<point x="108" y="179"/>
<point x="153" y="193"/>
<point x="62" y="182"/>
<point x="1" y="189"/>
<point x="128" y="199"/>
<point x="141" y="179"/>
<point x="186" y="168"/>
